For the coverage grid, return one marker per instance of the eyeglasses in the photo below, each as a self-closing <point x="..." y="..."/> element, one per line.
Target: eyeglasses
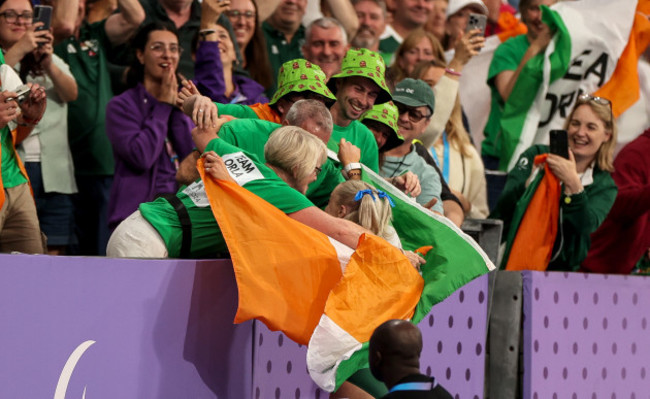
<point x="318" y="169"/>
<point x="12" y="17"/>
<point x="585" y="98"/>
<point x="235" y="14"/>
<point x="415" y="116"/>
<point x="159" y="48"/>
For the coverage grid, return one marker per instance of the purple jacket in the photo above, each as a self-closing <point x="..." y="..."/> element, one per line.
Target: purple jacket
<point x="137" y="125"/>
<point x="208" y="77"/>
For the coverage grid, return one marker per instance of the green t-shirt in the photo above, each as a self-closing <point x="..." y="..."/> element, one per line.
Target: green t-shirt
<point x="89" y="145"/>
<point x="506" y="58"/>
<point x="11" y="174"/>
<point x="207" y="240"/>
<point x="358" y="134"/>
<point x="251" y="135"/>
<point x="237" y="110"/>
<point x="281" y="51"/>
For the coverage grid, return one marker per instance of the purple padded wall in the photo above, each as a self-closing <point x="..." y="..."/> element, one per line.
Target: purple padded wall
<point x="454" y="351"/>
<point x="139" y="329"/>
<point x="586" y="336"/>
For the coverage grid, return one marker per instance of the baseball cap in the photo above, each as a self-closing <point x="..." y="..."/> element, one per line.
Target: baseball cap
<point x="457" y="5"/>
<point x="414" y="93"/>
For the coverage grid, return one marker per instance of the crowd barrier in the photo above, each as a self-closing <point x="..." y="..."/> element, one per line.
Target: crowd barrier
<point x="107" y="328"/>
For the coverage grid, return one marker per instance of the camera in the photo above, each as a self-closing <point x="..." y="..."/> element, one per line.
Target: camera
<point x="22" y="93"/>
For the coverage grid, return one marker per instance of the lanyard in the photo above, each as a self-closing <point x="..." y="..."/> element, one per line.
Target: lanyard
<point x="413" y="386"/>
<point x="445" y="157"/>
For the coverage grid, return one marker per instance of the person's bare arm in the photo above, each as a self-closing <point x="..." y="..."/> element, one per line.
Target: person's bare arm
<point x="187" y="173"/>
<point x="266" y="8"/>
<point x="344" y="12"/>
<point x="342" y="230"/>
<point x="122" y="25"/>
<point x="453" y="212"/>
<point x="505" y="81"/>
<point x="64" y="17"/>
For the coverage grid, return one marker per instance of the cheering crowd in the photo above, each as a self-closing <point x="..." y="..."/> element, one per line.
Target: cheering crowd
<point x="124" y="97"/>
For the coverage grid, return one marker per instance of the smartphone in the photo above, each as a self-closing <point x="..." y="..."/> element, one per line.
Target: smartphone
<point x="559" y="143"/>
<point x="476" y="21"/>
<point x="43" y="14"/>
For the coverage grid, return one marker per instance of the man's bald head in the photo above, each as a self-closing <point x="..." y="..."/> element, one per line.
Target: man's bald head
<point x="394" y="350"/>
<point x="313" y="116"/>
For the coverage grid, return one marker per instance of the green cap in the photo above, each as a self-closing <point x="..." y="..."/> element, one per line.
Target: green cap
<point x="367" y="64"/>
<point x="301" y="75"/>
<point x="386" y="114"/>
<point x="414" y="93"/>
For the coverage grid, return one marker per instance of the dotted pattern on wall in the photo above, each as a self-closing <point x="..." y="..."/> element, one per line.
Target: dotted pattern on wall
<point x="454" y="342"/>
<point x="586" y="336"/>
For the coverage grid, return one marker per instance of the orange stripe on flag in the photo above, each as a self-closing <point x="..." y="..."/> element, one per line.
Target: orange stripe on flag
<point x="510" y="26"/>
<point x="623" y="89"/>
<point x="284" y="269"/>
<point x="533" y="244"/>
<point x="378" y="284"/>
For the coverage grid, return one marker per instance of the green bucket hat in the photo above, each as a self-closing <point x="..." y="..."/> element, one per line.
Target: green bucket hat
<point x="365" y="63"/>
<point x="301" y="75"/>
<point x="386" y="114"/>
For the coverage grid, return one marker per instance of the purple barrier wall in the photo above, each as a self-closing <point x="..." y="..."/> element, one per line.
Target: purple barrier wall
<point x="586" y="336"/>
<point x="454" y="351"/>
<point x="120" y="329"/>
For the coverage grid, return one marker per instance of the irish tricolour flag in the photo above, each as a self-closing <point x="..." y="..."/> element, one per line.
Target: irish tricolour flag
<point x="595" y="49"/>
<point x="320" y="292"/>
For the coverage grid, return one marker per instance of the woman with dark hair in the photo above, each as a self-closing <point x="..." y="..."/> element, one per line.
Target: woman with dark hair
<point x="148" y="133"/>
<point x="45" y="151"/>
<point x="216" y="58"/>
<point x="551" y="204"/>
<point x="244" y="17"/>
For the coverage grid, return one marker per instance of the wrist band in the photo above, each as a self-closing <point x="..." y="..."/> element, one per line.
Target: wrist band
<point x="205" y="32"/>
<point x="452" y="72"/>
<point x="352" y="166"/>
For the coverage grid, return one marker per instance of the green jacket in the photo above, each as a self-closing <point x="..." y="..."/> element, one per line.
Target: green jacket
<point x="578" y="219"/>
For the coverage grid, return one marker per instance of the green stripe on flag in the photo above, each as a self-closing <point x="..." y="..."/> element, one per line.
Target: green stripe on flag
<point x="455" y="260"/>
<point x="531" y="78"/>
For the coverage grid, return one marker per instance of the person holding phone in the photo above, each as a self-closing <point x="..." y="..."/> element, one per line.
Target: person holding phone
<point x="148" y="133"/>
<point x="28" y="47"/>
<point x="459" y="15"/>
<point x="586" y="189"/>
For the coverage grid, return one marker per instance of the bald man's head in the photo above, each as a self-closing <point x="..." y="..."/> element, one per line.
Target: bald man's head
<point x="394" y="350"/>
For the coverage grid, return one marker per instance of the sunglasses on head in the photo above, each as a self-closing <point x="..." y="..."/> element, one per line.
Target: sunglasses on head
<point x="585" y="98"/>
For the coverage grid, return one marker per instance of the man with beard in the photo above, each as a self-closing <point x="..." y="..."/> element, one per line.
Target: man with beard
<point x="358" y="87"/>
<point x="408" y="15"/>
<point x="325" y="45"/>
<point x="372" y="22"/>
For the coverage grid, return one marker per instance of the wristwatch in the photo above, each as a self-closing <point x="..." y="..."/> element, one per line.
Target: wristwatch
<point x="352" y="166"/>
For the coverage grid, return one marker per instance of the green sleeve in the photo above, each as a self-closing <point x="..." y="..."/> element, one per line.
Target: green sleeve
<point x="320" y="190"/>
<point x="582" y="217"/>
<point x="237" y="110"/>
<point x="270" y="188"/>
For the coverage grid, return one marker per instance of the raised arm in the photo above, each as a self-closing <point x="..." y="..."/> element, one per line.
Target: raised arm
<point x="122" y="25"/>
<point x="505" y="81"/>
<point x="64" y="18"/>
<point x="265" y="8"/>
<point x="345" y="13"/>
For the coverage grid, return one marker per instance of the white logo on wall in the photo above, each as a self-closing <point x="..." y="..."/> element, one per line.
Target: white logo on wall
<point x="66" y="373"/>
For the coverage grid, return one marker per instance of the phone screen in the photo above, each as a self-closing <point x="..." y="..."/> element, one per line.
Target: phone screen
<point x="559" y="143"/>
